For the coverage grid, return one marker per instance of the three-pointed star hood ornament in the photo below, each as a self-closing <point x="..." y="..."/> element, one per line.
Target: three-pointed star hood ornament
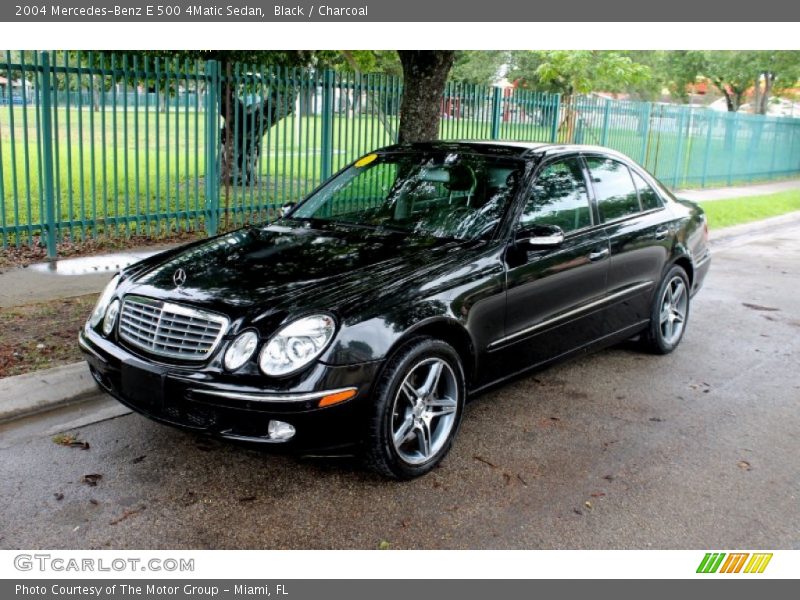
<point x="179" y="277"/>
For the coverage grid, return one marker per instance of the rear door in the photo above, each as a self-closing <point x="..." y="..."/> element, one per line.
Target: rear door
<point x="640" y="237"/>
<point x="554" y="295"/>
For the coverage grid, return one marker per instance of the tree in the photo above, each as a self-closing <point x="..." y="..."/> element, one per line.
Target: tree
<point x="248" y="107"/>
<point x="251" y="107"/>
<point x="672" y="70"/>
<point x="571" y="72"/>
<point x="777" y="70"/>
<point x="481" y="67"/>
<point x="385" y="62"/>
<point x="424" y="77"/>
<point x="374" y="61"/>
<point x="733" y="73"/>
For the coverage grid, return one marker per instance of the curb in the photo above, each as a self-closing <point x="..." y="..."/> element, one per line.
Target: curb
<point x="754" y="227"/>
<point x="39" y="391"/>
<point x="31" y="393"/>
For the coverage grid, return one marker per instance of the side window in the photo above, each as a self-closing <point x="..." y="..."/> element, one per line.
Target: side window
<point x="559" y="197"/>
<point x="616" y="194"/>
<point x="650" y="199"/>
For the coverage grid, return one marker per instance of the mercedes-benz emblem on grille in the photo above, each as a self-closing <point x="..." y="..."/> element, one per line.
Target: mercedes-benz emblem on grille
<point x="179" y="277"/>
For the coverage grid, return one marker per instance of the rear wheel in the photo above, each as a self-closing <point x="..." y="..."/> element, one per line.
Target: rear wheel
<point x="418" y="407"/>
<point x="669" y="313"/>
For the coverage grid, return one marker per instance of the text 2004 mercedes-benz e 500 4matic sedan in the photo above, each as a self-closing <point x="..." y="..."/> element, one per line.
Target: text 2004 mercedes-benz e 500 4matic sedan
<point x="420" y="274"/>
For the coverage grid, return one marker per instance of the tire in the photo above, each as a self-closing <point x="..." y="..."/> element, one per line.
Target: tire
<point x="408" y="410"/>
<point x="669" y="314"/>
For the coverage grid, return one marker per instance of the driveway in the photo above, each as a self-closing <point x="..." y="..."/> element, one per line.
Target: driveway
<point x="618" y="449"/>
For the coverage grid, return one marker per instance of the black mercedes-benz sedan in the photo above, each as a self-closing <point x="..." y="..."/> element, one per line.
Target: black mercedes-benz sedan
<point x="419" y="275"/>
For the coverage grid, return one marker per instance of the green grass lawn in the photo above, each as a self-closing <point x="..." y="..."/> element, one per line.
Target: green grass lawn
<point x="120" y="164"/>
<point x="724" y="213"/>
<point x="132" y="164"/>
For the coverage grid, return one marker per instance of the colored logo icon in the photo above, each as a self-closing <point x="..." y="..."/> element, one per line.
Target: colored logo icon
<point x="734" y="562"/>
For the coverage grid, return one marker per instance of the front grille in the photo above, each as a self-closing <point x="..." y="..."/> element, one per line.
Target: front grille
<point x="170" y="330"/>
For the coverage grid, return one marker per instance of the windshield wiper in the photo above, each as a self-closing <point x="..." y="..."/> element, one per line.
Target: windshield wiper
<point x="354" y="225"/>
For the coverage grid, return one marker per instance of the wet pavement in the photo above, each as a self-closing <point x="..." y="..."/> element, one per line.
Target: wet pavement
<point x="66" y="277"/>
<point x="698" y="449"/>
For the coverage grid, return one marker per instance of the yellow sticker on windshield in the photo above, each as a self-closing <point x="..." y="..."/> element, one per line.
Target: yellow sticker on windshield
<point x="363" y="162"/>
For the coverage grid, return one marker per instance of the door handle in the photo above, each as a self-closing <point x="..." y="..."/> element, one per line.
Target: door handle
<point x="661" y="233"/>
<point x="598" y="254"/>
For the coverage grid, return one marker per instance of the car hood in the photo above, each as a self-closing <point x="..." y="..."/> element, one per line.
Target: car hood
<point x="284" y="266"/>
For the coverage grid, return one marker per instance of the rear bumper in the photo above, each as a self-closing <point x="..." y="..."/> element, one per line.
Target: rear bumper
<point x="701" y="267"/>
<point x="214" y="403"/>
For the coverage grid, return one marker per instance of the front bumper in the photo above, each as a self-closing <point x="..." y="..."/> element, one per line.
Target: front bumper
<point x="213" y="402"/>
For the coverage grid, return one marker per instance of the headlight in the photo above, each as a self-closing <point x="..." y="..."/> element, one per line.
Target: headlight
<point x="241" y="350"/>
<point x="111" y="317"/>
<point x="296" y="345"/>
<point x="102" y="303"/>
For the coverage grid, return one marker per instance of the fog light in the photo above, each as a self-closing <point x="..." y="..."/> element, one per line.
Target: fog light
<point x="280" y="431"/>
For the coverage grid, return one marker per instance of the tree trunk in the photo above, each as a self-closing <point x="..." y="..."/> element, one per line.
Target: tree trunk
<point x="769" y="79"/>
<point x="424" y="77"/>
<point x="244" y="127"/>
<point x="569" y="118"/>
<point x="757" y="96"/>
<point x="730" y="96"/>
<point x="374" y="99"/>
<point x="729" y="100"/>
<point x="739" y="96"/>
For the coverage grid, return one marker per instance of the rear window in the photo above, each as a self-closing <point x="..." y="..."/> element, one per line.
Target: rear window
<point x="648" y="196"/>
<point x="617" y="197"/>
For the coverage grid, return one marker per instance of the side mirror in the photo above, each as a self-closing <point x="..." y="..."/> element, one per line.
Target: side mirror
<point x="286" y="209"/>
<point x="540" y="236"/>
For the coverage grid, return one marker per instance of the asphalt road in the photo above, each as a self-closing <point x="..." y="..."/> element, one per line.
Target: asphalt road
<point x="699" y="449"/>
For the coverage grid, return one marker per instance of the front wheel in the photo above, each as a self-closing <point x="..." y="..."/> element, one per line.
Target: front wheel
<point x="669" y="314"/>
<point x="418" y="407"/>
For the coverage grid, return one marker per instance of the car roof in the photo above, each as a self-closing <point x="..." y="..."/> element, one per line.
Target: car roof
<point x="518" y="149"/>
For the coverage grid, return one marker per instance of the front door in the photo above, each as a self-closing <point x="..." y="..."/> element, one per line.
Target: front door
<point x="555" y="295"/>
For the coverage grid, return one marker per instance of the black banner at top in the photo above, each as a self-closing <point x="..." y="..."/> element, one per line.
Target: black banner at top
<point x="398" y="11"/>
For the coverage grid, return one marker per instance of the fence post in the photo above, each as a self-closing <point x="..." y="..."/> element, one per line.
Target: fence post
<point x="212" y="147"/>
<point x="556" y="115"/>
<point x="497" y="102"/>
<point x="680" y="122"/>
<point x="733" y="128"/>
<point x="709" y="139"/>
<point x="645" y="132"/>
<point x="47" y="155"/>
<point x="326" y="160"/>
<point x="774" y="146"/>
<point x="606" y="120"/>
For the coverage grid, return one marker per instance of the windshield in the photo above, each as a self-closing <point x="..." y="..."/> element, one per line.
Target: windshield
<point x="445" y="195"/>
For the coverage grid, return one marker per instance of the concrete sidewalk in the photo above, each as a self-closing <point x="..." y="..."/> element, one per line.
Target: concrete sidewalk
<point x="65" y="278"/>
<point x="725" y="193"/>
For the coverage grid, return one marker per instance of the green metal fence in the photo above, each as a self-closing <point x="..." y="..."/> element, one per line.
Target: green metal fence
<point x="141" y="146"/>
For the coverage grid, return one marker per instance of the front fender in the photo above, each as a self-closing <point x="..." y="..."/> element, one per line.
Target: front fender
<point x="374" y="338"/>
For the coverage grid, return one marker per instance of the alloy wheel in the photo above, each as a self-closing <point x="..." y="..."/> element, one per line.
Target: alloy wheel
<point x="424" y="410"/>
<point x="672" y="315"/>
